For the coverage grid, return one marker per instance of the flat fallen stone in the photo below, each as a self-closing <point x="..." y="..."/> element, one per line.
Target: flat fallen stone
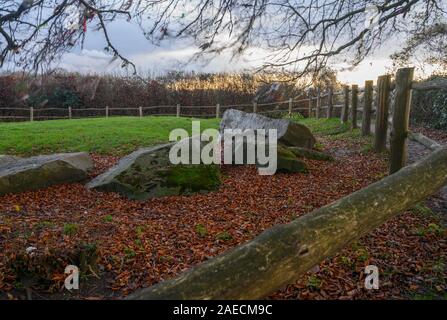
<point x="43" y="171"/>
<point x="148" y="173"/>
<point x="289" y="133"/>
<point x="5" y="159"/>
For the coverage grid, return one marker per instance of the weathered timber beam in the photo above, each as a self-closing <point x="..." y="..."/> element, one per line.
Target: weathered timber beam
<point x="283" y="253"/>
<point x="424" y="140"/>
<point x="438" y="84"/>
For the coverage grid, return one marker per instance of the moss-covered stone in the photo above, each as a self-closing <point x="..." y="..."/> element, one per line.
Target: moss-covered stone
<point x="283" y="152"/>
<point x="193" y="177"/>
<point x="148" y="173"/>
<point x="43" y="171"/>
<point x="287" y="161"/>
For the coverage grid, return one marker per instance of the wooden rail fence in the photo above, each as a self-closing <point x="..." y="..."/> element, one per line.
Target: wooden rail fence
<point x="283" y="253"/>
<point x="350" y="104"/>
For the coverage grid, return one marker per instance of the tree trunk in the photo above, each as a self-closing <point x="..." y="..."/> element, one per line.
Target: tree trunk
<point x="282" y="253"/>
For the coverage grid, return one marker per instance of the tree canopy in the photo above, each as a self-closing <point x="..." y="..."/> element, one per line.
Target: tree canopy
<point x="304" y="35"/>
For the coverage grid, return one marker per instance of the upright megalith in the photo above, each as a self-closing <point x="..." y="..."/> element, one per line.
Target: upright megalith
<point x="18" y="175"/>
<point x="289" y="133"/>
<point x="148" y="173"/>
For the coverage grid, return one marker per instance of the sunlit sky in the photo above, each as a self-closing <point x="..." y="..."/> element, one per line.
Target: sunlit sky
<point x="174" y="54"/>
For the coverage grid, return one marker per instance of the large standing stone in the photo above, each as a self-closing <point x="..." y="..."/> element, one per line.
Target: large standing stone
<point x="42" y="171"/>
<point x="148" y="173"/>
<point x="289" y="133"/>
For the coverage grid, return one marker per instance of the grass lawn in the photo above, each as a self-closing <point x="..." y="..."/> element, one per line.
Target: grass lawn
<point x="116" y="135"/>
<point x="325" y="126"/>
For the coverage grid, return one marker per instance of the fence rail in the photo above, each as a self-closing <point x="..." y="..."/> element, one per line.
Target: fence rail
<point x="344" y="103"/>
<point x="353" y="103"/>
<point x="305" y="105"/>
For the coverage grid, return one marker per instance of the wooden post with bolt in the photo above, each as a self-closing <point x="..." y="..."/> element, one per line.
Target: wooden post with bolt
<point x="401" y="119"/>
<point x="318" y="107"/>
<point x="381" y="124"/>
<point x="345" y="109"/>
<point x="330" y="108"/>
<point x="354" y="104"/>
<point x="367" y="109"/>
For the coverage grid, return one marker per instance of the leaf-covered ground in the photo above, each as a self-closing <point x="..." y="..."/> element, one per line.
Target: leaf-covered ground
<point x="122" y="245"/>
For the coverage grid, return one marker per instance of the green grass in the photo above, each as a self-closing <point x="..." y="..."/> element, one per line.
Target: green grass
<point x="70" y="229"/>
<point x="116" y="135"/>
<point x="324" y="126"/>
<point x="201" y="230"/>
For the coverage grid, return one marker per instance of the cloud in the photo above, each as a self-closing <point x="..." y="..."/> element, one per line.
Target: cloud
<point x="89" y="61"/>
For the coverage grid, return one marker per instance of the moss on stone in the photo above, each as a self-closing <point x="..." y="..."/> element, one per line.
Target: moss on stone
<point x="288" y="162"/>
<point x="283" y="152"/>
<point x="193" y="177"/>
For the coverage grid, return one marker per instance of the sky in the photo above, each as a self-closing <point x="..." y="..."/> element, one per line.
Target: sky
<point x="175" y="54"/>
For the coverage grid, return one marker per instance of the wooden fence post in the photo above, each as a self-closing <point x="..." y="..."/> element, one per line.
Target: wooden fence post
<point x="107" y="111"/>
<point x="31" y="114"/>
<point x="367" y="109"/>
<point x="381" y="125"/>
<point x="318" y="107"/>
<point x="330" y="107"/>
<point x="401" y="119"/>
<point x="345" y="109"/>
<point x="69" y="113"/>
<point x="140" y="111"/>
<point x="217" y="110"/>
<point x="255" y="107"/>
<point x="178" y="110"/>
<point x="354" y="103"/>
<point x="310" y="104"/>
<point x="290" y="106"/>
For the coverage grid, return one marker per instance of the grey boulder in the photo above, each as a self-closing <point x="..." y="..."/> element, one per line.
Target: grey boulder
<point x="148" y="173"/>
<point x="289" y="133"/>
<point x="5" y="159"/>
<point x="18" y="175"/>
